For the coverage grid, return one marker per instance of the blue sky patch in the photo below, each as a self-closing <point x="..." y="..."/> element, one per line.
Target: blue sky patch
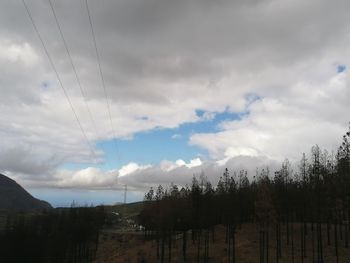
<point x="65" y="197"/>
<point x="251" y="98"/>
<point x="341" y="68"/>
<point x="159" y="144"/>
<point x="44" y="85"/>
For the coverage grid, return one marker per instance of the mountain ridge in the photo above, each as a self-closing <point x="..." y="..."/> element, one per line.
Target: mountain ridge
<point x="14" y="197"/>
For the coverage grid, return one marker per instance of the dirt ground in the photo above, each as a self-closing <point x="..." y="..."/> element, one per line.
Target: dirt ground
<point x="133" y="248"/>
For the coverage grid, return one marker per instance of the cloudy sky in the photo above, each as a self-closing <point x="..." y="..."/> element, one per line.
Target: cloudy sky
<point x="191" y="86"/>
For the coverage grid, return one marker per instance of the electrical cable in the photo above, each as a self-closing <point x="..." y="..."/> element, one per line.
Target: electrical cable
<point x="59" y="78"/>
<point x="101" y="74"/>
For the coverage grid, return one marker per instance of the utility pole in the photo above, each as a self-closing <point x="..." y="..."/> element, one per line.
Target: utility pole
<point x="125" y="192"/>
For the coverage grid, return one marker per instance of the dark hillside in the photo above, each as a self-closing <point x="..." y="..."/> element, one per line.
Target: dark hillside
<point x="14" y="197"/>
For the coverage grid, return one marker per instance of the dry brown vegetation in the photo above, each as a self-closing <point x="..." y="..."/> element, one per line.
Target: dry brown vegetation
<point x="133" y="248"/>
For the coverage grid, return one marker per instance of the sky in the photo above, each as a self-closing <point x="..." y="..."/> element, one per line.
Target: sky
<point x="175" y="89"/>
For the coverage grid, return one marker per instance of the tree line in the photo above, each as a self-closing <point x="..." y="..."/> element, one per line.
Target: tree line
<point x="311" y="204"/>
<point x="56" y="236"/>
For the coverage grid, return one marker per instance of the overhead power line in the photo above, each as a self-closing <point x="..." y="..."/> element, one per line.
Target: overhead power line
<point x="58" y="78"/>
<point x="72" y="64"/>
<point x="101" y="74"/>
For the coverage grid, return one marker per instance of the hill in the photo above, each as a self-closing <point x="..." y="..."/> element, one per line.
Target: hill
<point x="129" y="210"/>
<point x="15" y="197"/>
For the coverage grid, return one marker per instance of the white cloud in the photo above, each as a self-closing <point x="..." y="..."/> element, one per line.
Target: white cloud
<point x="168" y="166"/>
<point x="194" y="163"/>
<point x="18" y="53"/>
<point x="181" y="174"/>
<point x="180" y="163"/>
<point x="130" y="168"/>
<point x="141" y="177"/>
<point x="176" y="136"/>
<point x="284" y="126"/>
<point x="163" y="61"/>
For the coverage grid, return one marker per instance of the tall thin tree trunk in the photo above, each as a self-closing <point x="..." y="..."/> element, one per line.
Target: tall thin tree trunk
<point x="227" y="233"/>
<point x="157" y="244"/>
<point x="267" y="245"/>
<point x="184" y="244"/>
<point x="262" y="246"/>
<point x="234" y="245"/>
<point x="302" y="243"/>
<point x="277" y="244"/>
<point x="292" y="238"/>
<point x="321" y="243"/>
<point x="213" y="234"/>
<point x="341" y="226"/>
<point x="199" y="246"/>
<point x="346" y="231"/>
<point x="169" y="245"/>
<point x="328" y="233"/>
<point x="313" y="241"/>
<point x="229" y="244"/>
<point x="163" y="249"/>
<point x="287" y="226"/>
<point x="207" y="239"/>
<point x="336" y="241"/>
<point x="304" y="238"/>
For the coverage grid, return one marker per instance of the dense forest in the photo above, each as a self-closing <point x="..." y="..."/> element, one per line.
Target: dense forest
<point x="308" y="209"/>
<point x="55" y="235"/>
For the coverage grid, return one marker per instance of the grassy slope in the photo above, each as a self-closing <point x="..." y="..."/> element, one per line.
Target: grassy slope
<point x="130" y="210"/>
